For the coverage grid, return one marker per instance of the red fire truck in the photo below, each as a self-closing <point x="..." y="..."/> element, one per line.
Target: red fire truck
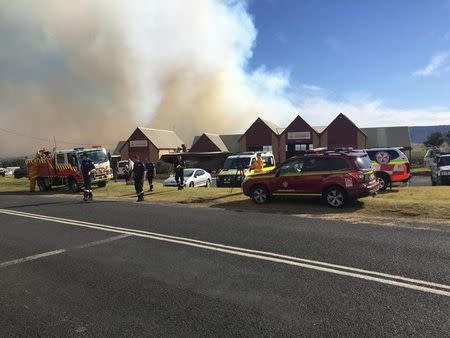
<point x="62" y="167"/>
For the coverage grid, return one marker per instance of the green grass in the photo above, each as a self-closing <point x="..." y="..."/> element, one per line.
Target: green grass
<point x="420" y="171"/>
<point x="13" y="184"/>
<point x="427" y="203"/>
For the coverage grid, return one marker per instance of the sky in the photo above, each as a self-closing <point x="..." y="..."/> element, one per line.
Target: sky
<point x="394" y="52"/>
<point x="91" y="71"/>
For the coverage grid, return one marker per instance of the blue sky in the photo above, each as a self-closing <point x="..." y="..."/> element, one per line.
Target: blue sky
<point x="395" y="51"/>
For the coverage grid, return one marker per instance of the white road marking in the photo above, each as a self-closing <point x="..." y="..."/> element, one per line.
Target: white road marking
<point x="60" y="251"/>
<point x="410" y="283"/>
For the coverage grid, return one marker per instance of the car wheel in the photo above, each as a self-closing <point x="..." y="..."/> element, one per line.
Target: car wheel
<point x="335" y="197"/>
<point x="383" y="181"/>
<point x="260" y="194"/>
<point x="41" y="184"/>
<point x="191" y="185"/>
<point x="72" y="185"/>
<point x="208" y="183"/>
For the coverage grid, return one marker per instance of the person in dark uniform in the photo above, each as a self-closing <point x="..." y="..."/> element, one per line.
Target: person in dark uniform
<point x="139" y="177"/>
<point x="151" y="173"/>
<point x="87" y="169"/>
<point x="179" y="172"/>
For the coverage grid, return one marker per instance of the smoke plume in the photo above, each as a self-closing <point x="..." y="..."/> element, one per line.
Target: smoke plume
<point x="90" y="71"/>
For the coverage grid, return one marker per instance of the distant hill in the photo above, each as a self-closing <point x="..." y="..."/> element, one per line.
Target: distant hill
<point x="420" y="134"/>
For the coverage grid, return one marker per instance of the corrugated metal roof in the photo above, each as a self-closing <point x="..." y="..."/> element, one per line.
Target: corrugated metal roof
<point x="320" y="129"/>
<point x="342" y="116"/>
<point x="272" y="126"/>
<point x="119" y="147"/>
<point x="231" y="142"/>
<point x="162" y="139"/>
<point x="387" y="137"/>
<point x="195" y="140"/>
<point x="215" y="138"/>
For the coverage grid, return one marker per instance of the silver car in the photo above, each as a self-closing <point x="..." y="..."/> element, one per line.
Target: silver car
<point x="193" y="177"/>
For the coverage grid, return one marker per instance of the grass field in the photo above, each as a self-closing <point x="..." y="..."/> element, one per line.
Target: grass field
<point x="428" y="203"/>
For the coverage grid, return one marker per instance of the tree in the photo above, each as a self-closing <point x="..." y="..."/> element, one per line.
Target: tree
<point x="434" y="139"/>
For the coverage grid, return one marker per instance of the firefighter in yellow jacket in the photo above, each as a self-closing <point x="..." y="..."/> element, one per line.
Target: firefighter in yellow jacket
<point x="258" y="165"/>
<point x="33" y="170"/>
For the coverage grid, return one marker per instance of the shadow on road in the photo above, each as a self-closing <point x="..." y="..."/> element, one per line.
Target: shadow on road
<point x="292" y="206"/>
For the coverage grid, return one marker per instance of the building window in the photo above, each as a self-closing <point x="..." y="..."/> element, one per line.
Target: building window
<point x="267" y="148"/>
<point x="300" y="147"/>
<point x="311" y="146"/>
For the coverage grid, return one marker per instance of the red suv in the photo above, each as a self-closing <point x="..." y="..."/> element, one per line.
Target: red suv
<point x="336" y="175"/>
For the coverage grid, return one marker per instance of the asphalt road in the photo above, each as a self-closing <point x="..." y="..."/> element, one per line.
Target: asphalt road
<point x="108" y="268"/>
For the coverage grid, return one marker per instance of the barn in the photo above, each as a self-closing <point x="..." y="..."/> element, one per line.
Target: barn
<point x="262" y="135"/>
<point x="296" y="138"/>
<point x="150" y="144"/>
<point x="342" y="132"/>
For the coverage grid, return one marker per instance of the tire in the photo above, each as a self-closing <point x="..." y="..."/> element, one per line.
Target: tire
<point x="72" y="185"/>
<point x="41" y="184"/>
<point x="383" y="181"/>
<point x="191" y="185"/>
<point x="260" y="194"/>
<point x="335" y="197"/>
<point x="101" y="184"/>
<point x="208" y="183"/>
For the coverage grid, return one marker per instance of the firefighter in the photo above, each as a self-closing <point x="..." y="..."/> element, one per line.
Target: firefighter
<point x="258" y="165"/>
<point x="179" y="172"/>
<point x="139" y="177"/>
<point x="87" y="169"/>
<point x="33" y="171"/>
<point x="151" y="173"/>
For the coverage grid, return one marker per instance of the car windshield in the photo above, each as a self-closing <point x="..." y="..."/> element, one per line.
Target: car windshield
<point x="188" y="172"/>
<point x="363" y="162"/>
<point x="236" y="163"/>
<point x="96" y="156"/>
<point x="122" y="164"/>
<point x="445" y="160"/>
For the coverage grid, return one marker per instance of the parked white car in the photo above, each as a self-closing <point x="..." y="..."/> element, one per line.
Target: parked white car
<point x="10" y="170"/>
<point x="193" y="177"/>
<point x="121" y="168"/>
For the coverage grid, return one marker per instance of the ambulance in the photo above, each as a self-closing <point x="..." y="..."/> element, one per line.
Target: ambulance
<point x="236" y="168"/>
<point x="391" y="166"/>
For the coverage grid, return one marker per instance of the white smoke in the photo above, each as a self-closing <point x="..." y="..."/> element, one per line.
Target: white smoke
<point x="93" y="70"/>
